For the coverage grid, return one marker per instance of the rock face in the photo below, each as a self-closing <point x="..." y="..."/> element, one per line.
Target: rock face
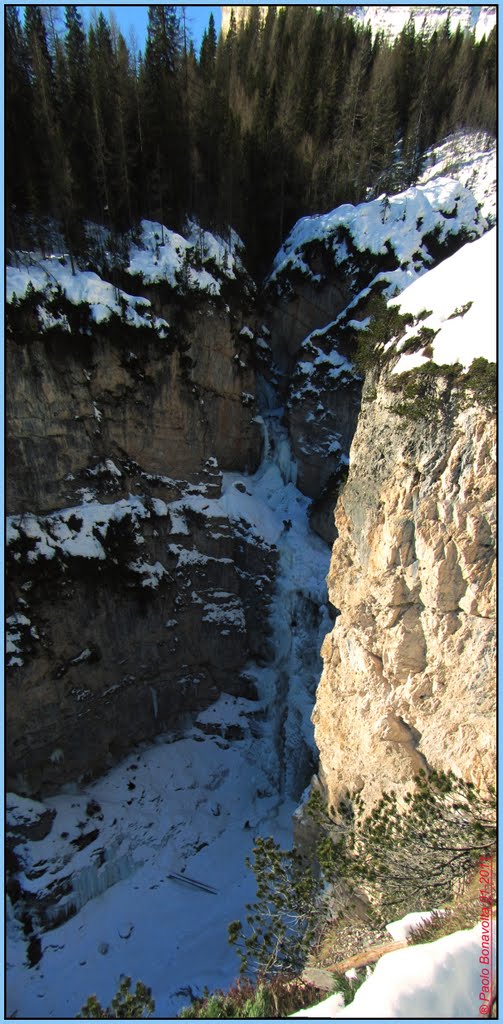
<point x="408" y="678"/>
<point x="294" y="315"/>
<point x="323" y="406"/>
<point x="164" y="407"/>
<point x="129" y="610"/>
<point x="111" y="647"/>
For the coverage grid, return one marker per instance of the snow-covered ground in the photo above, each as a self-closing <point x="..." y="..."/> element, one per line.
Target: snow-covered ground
<point x="163" y="255"/>
<point x="460" y="296"/>
<point x="187" y="805"/>
<point x="188" y="813"/>
<point x="198" y="263"/>
<point x="402" y="929"/>
<point x="470" y="158"/>
<point x="454" y="301"/>
<point x="437" y="980"/>
<point x="397" y="224"/>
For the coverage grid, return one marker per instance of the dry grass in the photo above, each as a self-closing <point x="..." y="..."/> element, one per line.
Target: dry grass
<point x="463" y="911"/>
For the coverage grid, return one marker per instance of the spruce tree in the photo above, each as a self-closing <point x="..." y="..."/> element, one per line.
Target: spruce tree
<point x="21" y="155"/>
<point x="76" y="113"/>
<point x="55" y="186"/>
<point x="103" y="114"/>
<point x="166" y="138"/>
<point x="208" y="52"/>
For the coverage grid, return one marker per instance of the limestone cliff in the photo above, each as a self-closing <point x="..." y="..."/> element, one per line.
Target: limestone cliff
<point x="409" y="678"/>
<point x="409" y="667"/>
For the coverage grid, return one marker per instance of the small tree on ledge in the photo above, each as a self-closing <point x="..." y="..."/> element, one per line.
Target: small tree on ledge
<point x="415" y="856"/>
<point x="281" y="923"/>
<point x="125" y="1005"/>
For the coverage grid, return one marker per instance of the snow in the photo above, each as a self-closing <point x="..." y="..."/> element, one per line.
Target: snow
<point x="401" y="930"/>
<point x="48" y="321"/>
<point x="151" y="574"/>
<point x="231" y="613"/>
<point x="22" y="811"/>
<point x="322" y="357"/>
<point x="14" y="636"/>
<point x="83" y="656"/>
<point x="227" y="710"/>
<point x="440" y="979"/>
<point x="456" y="194"/>
<point x="164" y="255"/>
<point x="442" y="205"/>
<point x="17" y="619"/>
<point x="187" y="812"/>
<point x="199" y="263"/>
<point x="108" y="466"/>
<point x="72" y="531"/>
<point x="468" y="278"/>
<point x="82" y="287"/>
<point x="470" y="158"/>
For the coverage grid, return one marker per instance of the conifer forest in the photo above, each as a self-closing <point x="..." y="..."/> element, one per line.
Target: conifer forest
<point x="279" y="118"/>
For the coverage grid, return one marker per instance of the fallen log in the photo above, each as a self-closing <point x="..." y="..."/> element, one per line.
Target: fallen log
<point x="368" y="956"/>
<point x="192" y="881"/>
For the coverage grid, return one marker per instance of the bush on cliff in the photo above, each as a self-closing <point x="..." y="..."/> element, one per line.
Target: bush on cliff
<point x="386" y="323"/>
<point x="424" y="392"/>
<point x="408" y="855"/>
<point x="125" y="1005"/>
<point x="282" y="921"/>
<point x="411" y="854"/>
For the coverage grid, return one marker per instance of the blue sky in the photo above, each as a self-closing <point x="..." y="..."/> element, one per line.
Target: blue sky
<point x="135" y="16"/>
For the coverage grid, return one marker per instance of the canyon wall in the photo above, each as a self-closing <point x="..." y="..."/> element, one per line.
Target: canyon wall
<point x="409" y="668"/>
<point x="132" y="600"/>
<point x="162" y="406"/>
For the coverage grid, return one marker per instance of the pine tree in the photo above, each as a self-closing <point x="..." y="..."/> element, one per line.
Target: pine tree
<point x="166" y="136"/>
<point x="281" y="923"/>
<point x="284" y="116"/>
<point x="125" y="1005"/>
<point x="55" y="185"/>
<point x="53" y="21"/>
<point x="208" y="52"/>
<point x="419" y="132"/>
<point x="348" y="136"/>
<point x="101" y="61"/>
<point x="417" y="852"/>
<point x="379" y="125"/>
<point x="20" y="168"/>
<point x="76" y="112"/>
<point x="125" y="170"/>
